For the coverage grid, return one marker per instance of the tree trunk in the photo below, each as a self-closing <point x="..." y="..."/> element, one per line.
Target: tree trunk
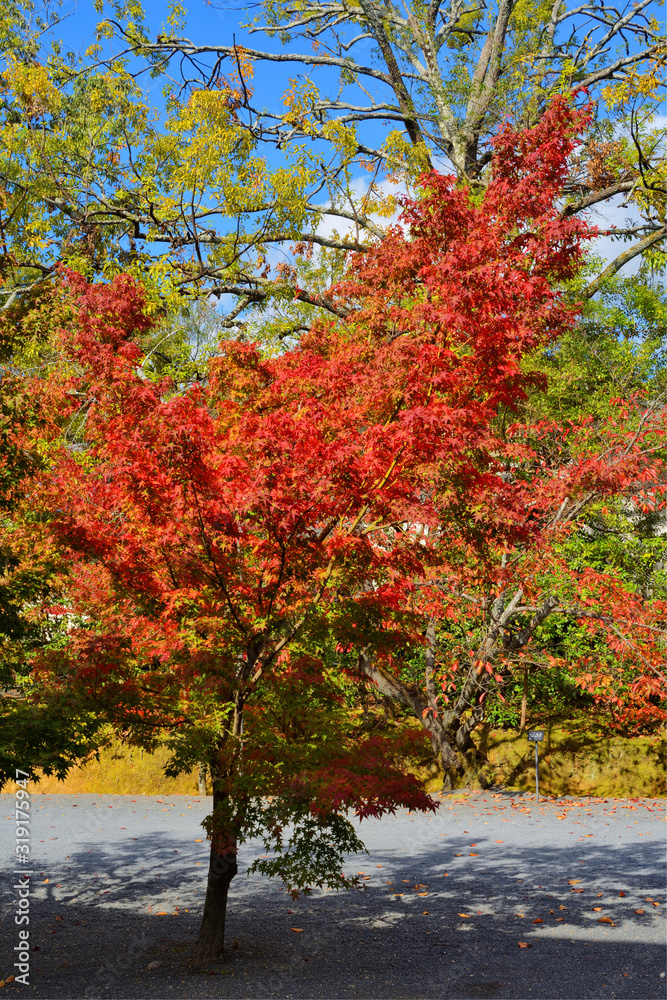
<point x="222" y="869"/>
<point x="201" y="779"/>
<point x="524" y="700"/>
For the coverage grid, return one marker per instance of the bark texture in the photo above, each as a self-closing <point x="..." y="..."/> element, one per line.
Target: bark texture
<point x="222" y="869"/>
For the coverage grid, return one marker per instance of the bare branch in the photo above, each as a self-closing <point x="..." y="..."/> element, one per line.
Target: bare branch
<point x="623" y="259"/>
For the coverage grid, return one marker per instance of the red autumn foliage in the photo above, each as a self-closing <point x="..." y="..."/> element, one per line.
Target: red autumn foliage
<point x="352" y="491"/>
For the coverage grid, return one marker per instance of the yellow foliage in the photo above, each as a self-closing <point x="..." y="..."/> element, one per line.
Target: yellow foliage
<point x="648" y="83"/>
<point x="343" y="137"/>
<point x="32" y="86"/>
<point x="300" y="99"/>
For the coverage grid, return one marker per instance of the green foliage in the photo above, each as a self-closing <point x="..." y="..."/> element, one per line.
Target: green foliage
<point x="312" y="852"/>
<point x="618" y="348"/>
<point x="551" y="695"/>
<point x="50" y="738"/>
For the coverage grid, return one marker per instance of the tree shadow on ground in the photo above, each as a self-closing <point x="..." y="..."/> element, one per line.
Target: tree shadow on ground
<point x="426" y="935"/>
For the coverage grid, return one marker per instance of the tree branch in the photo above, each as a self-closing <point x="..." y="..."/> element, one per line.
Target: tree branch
<point x="623" y="259"/>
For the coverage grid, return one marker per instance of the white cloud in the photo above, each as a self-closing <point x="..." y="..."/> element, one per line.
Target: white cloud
<point x="613" y="215"/>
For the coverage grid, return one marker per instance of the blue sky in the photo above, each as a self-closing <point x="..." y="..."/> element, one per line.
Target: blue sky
<point x="207" y="24"/>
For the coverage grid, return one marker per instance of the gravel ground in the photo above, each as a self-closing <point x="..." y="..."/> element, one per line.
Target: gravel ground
<point x="118" y="886"/>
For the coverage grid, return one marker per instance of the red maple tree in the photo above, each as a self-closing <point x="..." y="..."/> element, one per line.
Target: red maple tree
<point x="357" y="490"/>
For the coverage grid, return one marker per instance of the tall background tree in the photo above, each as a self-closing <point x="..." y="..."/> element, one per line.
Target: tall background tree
<point x="230" y="180"/>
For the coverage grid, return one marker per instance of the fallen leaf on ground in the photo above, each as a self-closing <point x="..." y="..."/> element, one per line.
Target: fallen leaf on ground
<point x="524" y="944"/>
<point x="573" y="881"/>
<point x="538" y="920"/>
<point x="561" y="907"/>
<point x="606" y="920"/>
<point x="577" y="890"/>
<point x="599" y="894"/>
<point x="500" y="842"/>
<point x="199" y="840"/>
<point x="654" y="903"/>
<point x="621" y="893"/>
<point x="422" y="894"/>
<point x="297" y="930"/>
<point x="465" y="915"/>
<point x="640" y="912"/>
<point x="426" y="914"/>
<point x="597" y="908"/>
<point x="559" y="919"/>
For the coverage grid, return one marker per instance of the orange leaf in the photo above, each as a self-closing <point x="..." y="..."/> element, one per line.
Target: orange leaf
<point x="640" y="912"/>
<point x="297" y="930"/>
<point x="426" y="913"/>
<point x="597" y="908"/>
<point x="621" y="893"/>
<point x="559" y="919"/>
<point x="606" y="920"/>
<point x="573" y="881"/>
<point x="466" y="916"/>
<point x="524" y="944"/>
<point x="538" y="920"/>
<point x="199" y="840"/>
<point x="654" y="903"/>
<point x="422" y="894"/>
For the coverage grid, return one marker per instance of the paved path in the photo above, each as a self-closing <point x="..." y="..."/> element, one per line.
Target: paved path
<point x="119" y="885"/>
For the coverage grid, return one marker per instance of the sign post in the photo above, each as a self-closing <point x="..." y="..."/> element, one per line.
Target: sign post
<point x="536" y="736"/>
